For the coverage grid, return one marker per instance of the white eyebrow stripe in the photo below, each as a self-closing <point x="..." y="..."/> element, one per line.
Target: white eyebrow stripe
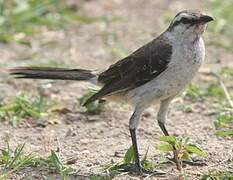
<point x="203" y="13"/>
<point x="182" y="15"/>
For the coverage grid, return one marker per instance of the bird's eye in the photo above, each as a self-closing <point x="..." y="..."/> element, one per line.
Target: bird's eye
<point x="191" y="20"/>
<point x="187" y="21"/>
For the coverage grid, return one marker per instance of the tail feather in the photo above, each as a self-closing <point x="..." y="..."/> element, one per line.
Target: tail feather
<point x="54" y="73"/>
<point x="51" y="73"/>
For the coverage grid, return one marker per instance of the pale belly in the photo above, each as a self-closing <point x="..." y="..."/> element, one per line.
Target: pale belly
<point x="173" y="80"/>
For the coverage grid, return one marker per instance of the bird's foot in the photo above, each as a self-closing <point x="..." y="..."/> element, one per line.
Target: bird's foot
<point x="139" y="170"/>
<point x="131" y="168"/>
<point x="153" y="172"/>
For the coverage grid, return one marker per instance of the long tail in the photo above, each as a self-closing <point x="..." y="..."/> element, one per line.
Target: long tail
<point x="51" y="73"/>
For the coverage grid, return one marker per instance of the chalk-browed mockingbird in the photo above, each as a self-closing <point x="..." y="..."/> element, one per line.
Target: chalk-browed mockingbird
<point x="156" y="72"/>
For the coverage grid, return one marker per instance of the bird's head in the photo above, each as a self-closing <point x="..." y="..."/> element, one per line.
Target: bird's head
<point x="189" y="24"/>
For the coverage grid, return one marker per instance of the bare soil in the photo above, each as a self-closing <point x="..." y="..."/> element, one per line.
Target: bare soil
<point x="94" y="140"/>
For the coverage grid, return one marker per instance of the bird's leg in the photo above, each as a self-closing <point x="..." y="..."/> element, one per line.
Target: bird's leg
<point x="135" y="148"/>
<point x="162" y="115"/>
<point x="175" y="151"/>
<point x="133" y="123"/>
<point x="163" y="128"/>
<point x="161" y="121"/>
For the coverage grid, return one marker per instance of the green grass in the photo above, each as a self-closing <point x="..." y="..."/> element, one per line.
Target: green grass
<point x="197" y="92"/>
<point x="224" y="119"/>
<point x="224" y="124"/>
<point x="95" y="107"/>
<point x="218" y="175"/>
<point x="219" y="98"/>
<point x="193" y="92"/>
<point x="22" y="18"/>
<point x="19" y="18"/>
<point x="100" y="177"/>
<point x="118" y="52"/>
<point x="184" y="149"/>
<point x="54" y="164"/>
<point x="226" y="72"/>
<point x="221" y="29"/>
<point x="25" y="106"/>
<point x="212" y="90"/>
<point x="14" y="160"/>
<point x="127" y="163"/>
<point x="183" y="145"/>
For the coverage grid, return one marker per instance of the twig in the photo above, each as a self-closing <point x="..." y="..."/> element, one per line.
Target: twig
<point x="219" y="163"/>
<point x="156" y="173"/>
<point x="226" y="93"/>
<point x="228" y="97"/>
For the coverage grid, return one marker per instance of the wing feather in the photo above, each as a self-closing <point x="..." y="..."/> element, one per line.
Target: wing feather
<point x="140" y="67"/>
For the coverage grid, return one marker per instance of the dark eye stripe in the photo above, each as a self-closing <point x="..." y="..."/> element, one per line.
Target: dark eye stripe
<point x="188" y="21"/>
<point x="185" y="21"/>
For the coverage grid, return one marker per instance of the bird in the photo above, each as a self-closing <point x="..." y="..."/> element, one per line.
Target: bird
<point x="155" y="73"/>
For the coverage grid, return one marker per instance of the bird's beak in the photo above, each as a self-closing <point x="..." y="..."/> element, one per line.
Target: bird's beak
<point x="205" y="19"/>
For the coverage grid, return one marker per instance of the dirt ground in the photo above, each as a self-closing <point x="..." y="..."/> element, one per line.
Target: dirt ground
<point x="94" y="140"/>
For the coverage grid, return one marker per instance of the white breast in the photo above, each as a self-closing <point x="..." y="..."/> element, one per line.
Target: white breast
<point x="185" y="61"/>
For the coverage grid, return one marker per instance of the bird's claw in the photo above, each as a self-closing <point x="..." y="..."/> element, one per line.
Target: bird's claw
<point x="141" y="171"/>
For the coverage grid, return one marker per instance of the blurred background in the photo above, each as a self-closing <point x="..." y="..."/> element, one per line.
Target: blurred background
<point x="77" y="31"/>
<point x="93" y="34"/>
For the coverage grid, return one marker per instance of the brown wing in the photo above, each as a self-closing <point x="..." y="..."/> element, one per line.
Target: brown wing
<point x="143" y="65"/>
